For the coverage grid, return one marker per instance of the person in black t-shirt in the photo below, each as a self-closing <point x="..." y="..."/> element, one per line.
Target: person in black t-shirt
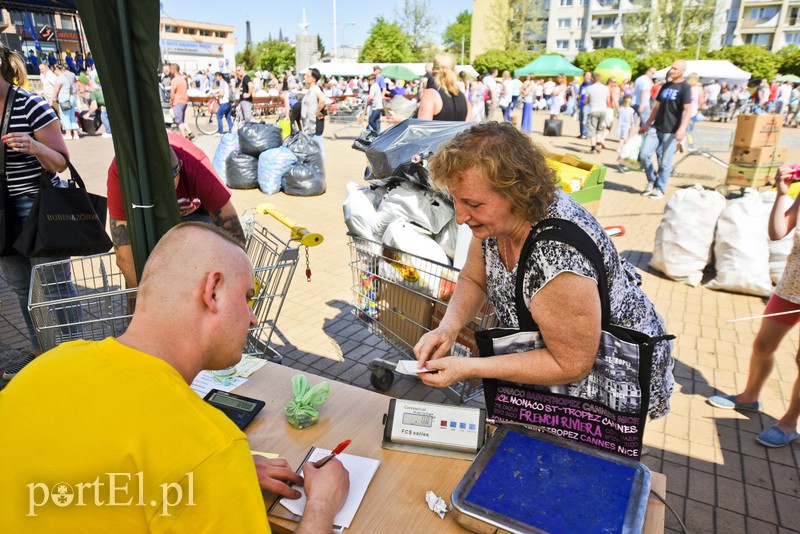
<point x="246" y="91"/>
<point x="665" y="128"/>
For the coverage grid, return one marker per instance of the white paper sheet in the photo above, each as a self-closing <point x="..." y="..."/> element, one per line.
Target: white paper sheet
<point x="409" y="367"/>
<point x="361" y="472"/>
<point x="205" y="381"/>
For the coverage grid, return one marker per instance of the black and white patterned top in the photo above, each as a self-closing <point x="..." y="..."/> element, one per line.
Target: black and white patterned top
<point x="630" y="307"/>
<point x="30" y="114"/>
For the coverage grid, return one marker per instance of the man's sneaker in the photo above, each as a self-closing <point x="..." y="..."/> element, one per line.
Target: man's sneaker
<point x="657" y="194"/>
<point x="594" y="150"/>
<point x="12" y="370"/>
<point x="775" y="437"/>
<point x="648" y="190"/>
<point x="106" y="136"/>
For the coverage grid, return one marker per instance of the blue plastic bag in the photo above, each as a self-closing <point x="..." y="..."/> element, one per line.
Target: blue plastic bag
<point x="272" y="165"/>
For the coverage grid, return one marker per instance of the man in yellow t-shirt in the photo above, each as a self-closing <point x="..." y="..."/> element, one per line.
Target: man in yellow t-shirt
<point x="108" y="436"/>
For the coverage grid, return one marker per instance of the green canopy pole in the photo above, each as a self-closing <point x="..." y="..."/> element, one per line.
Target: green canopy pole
<point x="124" y="39"/>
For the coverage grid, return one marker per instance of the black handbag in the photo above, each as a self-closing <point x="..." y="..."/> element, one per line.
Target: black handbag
<point x="8" y="216"/>
<point x="64" y="221"/>
<point x="608" y="409"/>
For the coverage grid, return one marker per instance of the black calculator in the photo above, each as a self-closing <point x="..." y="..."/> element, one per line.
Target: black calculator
<point x="240" y="409"/>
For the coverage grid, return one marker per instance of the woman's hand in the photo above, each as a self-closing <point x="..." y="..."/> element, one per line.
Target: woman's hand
<point x="449" y="370"/>
<point x="784" y="179"/>
<point x="435" y="344"/>
<point x="21" y="142"/>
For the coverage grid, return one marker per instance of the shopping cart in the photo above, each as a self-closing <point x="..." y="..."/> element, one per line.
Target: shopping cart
<point x="86" y="298"/>
<point x="351" y="112"/>
<point x="400" y="297"/>
<point x="710" y="142"/>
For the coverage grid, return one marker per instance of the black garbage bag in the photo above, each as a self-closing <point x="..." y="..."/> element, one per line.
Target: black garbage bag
<point x="305" y="148"/>
<point x="401" y="142"/>
<point x="304" y="180"/>
<point x="363" y="141"/>
<point x="407" y="172"/>
<point x="241" y="171"/>
<point x="255" y="138"/>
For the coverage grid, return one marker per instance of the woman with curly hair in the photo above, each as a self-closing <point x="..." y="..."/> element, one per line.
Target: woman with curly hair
<point x="502" y="187"/>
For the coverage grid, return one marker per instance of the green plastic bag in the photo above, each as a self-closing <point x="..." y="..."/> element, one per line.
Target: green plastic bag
<point x="300" y="410"/>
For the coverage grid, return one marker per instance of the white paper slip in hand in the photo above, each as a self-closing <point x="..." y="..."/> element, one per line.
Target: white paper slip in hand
<point x="409" y="367"/>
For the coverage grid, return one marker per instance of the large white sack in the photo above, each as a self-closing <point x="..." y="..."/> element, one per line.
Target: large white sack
<point x="448" y="238"/>
<point x="408" y="202"/>
<point x="741" y="247"/>
<point x="419" y="269"/>
<point x="778" y="250"/>
<point x="359" y="211"/>
<point x="686" y="233"/>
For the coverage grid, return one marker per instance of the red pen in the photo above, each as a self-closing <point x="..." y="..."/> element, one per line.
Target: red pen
<point x="339" y="448"/>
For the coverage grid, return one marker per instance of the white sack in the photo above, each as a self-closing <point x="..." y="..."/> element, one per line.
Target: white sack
<point x="686" y="233"/>
<point x="741" y="248"/>
<point x="778" y="250"/>
<point x="408" y="202"/>
<point x="448" y="238"/>
<point x="359" y="211"/>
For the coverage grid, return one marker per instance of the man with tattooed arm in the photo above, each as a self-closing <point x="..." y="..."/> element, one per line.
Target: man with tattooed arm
<point x="201" y="196"/>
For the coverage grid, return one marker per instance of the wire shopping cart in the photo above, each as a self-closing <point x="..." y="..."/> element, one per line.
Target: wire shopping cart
<point x="351" y="112"/>
<point x="400" y="297"/>
<point x="86" y="298"/>
<point x="712" y="143"/>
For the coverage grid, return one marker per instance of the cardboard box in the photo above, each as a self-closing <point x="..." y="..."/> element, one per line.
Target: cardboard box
<point x="751" y="175"/>
<point x="758" y="130"/>
<point x="404" y="315"/>
<point x="758" y="156"/>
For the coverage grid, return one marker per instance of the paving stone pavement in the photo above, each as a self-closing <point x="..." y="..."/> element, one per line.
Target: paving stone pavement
<point x="718" y="478"/>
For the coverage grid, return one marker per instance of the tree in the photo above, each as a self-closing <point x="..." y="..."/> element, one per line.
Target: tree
<point x="588" y="61"/>
<point x="320" y="46"/>
<point x="502" y="60"/>
<point x="659" y="60"/>
<point x="415" y="18"/>
<point x="387" y="43"/>
<point x="759" y="62"/>
<point x="790" y="60"/>
<point x="668" y="25"/>
<point x="461" y="28"/>
<point x="246" y="57"/>
<point x="518" y="24"/>
<point x="275" y="56"/>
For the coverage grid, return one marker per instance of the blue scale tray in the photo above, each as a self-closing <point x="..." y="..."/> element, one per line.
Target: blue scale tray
<point x="524" y="481"/>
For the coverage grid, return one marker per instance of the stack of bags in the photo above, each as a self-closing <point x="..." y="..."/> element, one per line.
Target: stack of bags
<point x="699" y="225"/>
<point x="755" y="156"/>
<point x="257" y="156"/>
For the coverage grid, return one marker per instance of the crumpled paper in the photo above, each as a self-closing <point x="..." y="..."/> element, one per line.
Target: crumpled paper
<point x="300" y="410"/>
<point x="436" y="504"/>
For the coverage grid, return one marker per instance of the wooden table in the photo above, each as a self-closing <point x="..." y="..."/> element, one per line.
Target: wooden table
<point x="396" y="496"/>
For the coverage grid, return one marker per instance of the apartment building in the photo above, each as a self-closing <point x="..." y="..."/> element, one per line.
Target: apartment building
<point x="197" y="45"/>
<point x="771" y="24"/>
<point x="573" y="26"/>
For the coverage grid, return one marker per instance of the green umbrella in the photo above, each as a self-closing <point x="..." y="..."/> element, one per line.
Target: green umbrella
<point x="791" y="78"/>
<point x="124" y="38"/>
<point x="399" y="72"/>
<point x="551" y="65"/>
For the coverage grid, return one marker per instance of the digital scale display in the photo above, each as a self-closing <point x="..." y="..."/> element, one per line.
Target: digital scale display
<point x="417" y="419"/>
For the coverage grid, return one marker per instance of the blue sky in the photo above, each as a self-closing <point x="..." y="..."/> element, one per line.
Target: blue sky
<point x="269" y="16"/>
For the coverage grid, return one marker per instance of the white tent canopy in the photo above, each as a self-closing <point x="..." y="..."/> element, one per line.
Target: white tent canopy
<point x="712" y="69"/>
<point x="343" y="68"/>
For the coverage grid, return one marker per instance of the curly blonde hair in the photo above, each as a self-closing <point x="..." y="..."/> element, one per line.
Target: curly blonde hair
<point x="510" y="162"/>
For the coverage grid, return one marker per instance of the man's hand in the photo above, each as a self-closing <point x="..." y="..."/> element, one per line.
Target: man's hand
<point x="326" y="490"/>
<point x="273" y="473"/>
<point x="680" y="134"/>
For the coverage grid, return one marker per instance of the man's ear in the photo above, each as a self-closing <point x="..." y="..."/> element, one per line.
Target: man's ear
<point x="211" y="287"/>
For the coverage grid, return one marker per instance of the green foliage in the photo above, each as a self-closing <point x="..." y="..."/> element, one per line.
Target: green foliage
<point x="320" y="46"/>
<point x="517" y="24"/>
<point x="275" y="56"/>
<point x="387" y="43"/>
<point x="502" y="60"/>
<point x="246" y="57"/>
<point x="668" y="25"/>
<point x="659" y="60"/>
<point x="590" y="60"/>
<point x="759" y="62"/>
<point x="417" y="21"/>
<point x="790" y="60"/>
<point x="452" y="35"/>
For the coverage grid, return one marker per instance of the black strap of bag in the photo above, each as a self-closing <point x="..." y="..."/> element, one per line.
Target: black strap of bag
<point x="8" y="216"/>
